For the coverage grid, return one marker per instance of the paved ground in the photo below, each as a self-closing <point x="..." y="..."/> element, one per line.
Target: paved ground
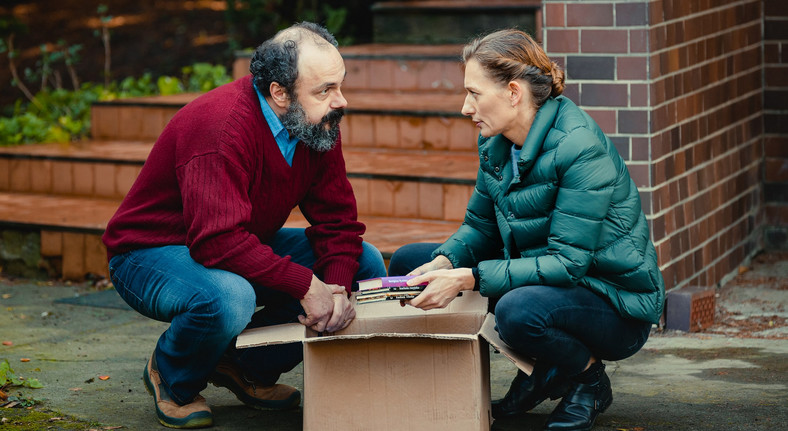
<point x="732" y="377"/>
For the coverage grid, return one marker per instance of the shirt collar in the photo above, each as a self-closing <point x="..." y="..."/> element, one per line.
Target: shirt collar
<point x="274" y="123"/>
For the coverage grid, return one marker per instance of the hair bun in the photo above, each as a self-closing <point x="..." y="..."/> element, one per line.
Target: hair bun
<point x="558" y="79"/>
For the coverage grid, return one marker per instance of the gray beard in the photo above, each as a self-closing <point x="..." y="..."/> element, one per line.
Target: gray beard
<point x="315" y="136"/>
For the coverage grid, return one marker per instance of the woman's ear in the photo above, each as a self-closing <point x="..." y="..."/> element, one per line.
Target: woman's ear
<point x="279" y="95"/>
<point x="515" y="93"/>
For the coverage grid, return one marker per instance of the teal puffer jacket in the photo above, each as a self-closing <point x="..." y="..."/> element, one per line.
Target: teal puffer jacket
<point x="571" y="217"/>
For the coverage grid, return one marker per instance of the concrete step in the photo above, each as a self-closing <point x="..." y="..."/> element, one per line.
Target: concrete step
<point x="449" y="21"/>
<point x="393" y="67"/>
<point x="374" y="119"/>
<point x="413" y="184"/>
<point x="69" y="230"/>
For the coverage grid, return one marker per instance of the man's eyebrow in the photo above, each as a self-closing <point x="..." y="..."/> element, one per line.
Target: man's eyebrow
<point x="330" y="84"/>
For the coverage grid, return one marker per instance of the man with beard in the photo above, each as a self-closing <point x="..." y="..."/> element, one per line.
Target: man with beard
<point x="199" y="239"/>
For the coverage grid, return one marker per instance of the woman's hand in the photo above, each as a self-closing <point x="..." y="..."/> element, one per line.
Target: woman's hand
<point x="440" y="262"/>
<point x="444" y="285"/>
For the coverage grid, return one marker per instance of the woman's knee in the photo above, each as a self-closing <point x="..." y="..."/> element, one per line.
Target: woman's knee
<point x="517" y="317"/>
<point x="410" y="256"/>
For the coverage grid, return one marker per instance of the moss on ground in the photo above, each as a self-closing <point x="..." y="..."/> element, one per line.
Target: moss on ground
<point x="20" y="419"/>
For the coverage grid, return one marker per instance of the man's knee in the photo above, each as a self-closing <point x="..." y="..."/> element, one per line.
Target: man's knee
<point x="371" y="262"/>
<point x="228" y="304"/>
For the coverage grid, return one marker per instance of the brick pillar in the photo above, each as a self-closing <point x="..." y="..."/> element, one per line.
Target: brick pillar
<point x="775" y="95"/>
<point x="676" y="85"/>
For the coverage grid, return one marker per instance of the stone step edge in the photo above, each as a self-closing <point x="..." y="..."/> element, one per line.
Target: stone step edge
<point x="97" y="224"/>
<point x="389" y="51"/>
<point x="350" y="174"/>
<point x="398" y="112"/>
<point x="443" y="6"/>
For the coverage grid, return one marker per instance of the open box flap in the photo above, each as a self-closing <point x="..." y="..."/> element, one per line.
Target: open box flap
<point x="491" y="335"/>
<point x="372" y="321"/>
<point x="268" y="335"/>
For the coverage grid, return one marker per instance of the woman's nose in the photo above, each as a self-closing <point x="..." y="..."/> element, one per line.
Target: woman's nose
<point x="467" y="109"/>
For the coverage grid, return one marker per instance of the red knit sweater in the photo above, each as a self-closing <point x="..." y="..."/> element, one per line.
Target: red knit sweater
<point x="217" y="182"/>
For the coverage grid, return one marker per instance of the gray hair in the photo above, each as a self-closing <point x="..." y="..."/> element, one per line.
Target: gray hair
<point x="276" y="59"/>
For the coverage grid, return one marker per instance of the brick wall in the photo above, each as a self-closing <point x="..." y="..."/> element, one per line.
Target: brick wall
<point x="775" y="57"/>
<point x="677" y="85"/>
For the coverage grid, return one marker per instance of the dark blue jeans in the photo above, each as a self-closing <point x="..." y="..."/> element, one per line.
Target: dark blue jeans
<point x="207" y="308"/>
<point x="558" y="326"/>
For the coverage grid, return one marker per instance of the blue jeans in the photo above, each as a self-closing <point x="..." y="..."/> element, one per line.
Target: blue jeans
<point x="558" y="326"/>
<point x="207" y="308"/>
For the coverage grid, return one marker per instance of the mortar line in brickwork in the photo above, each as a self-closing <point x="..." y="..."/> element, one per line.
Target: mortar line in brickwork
<point x="706" y="138"/>
<point x="700" y="14"/>
<point x="711" y="86"/>
<point x="729" y="275"/>
<point x="716" y="235"/>
<point x="722" y="55"/>
<point x="753" y="165"/>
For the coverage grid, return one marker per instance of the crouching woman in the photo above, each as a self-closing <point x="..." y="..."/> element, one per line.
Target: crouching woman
<point x="553" y="233"/>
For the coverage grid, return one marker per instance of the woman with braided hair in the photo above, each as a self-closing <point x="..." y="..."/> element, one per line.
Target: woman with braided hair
<point x="554" y="234"/>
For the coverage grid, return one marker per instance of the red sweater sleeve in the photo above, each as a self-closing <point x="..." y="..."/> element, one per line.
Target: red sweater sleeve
<point x="335" y="233"/>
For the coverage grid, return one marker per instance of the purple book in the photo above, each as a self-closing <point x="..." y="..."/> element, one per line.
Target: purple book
<point x="391" y="283"/>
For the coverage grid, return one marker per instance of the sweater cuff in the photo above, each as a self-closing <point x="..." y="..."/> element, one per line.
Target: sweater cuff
<point x="475" y="272"/>
<point x="299" y="279"/>
<point x="341" y="273"/>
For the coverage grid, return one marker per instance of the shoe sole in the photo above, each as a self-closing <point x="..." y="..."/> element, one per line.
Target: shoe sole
<point x="222" y="381"/>
<point x="199" y="422"/>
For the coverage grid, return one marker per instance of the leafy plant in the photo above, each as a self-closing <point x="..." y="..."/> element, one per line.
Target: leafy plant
<point x="62" y="115"/>
<point x="201" y="77"/>
<point x="9" y="378"/>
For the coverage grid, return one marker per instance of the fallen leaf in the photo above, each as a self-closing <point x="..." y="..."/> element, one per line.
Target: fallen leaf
<point x="103" y="377"/>
<point x="75" y="389"/>
<point x="57" y="418"/>
<point x="113" y="428"/>
<point x="743" y="269"/>
<point x="7" y="295"/>
<point x="24" y="360"/>
<point x="8" y="343"/>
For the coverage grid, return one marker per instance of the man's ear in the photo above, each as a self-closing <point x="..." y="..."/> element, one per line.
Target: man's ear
<point x="279" y="95"/>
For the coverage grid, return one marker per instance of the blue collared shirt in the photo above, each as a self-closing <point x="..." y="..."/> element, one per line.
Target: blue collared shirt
<point x="287" y="145"/>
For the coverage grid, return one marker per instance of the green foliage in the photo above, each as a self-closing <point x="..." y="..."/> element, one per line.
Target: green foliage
<point x="201" y="77"/>
<point x="136" y="87"/>
<point x="63" y="115"/>
<point x="8" y="377"/>
<point x="54" y="114"/>
<point x="169" y="85"/>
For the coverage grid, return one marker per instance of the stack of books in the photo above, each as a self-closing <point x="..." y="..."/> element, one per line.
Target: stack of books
<point x="387" y="288"/>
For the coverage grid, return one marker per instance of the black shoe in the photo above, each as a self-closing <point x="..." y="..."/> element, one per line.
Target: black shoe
<point x="578" y="410"/>
<point x="527" y="392"/>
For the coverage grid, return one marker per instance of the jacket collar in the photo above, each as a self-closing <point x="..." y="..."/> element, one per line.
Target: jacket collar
<point x="497" y="148"/>
<point x="543" y="122"/>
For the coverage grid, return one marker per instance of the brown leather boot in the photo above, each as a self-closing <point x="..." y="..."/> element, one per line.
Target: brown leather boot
<point x="251" y="393"/>
<point x="196" y="414"/>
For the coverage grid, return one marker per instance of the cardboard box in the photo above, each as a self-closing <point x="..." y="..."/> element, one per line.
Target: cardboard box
<point x="397" y="368"/>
